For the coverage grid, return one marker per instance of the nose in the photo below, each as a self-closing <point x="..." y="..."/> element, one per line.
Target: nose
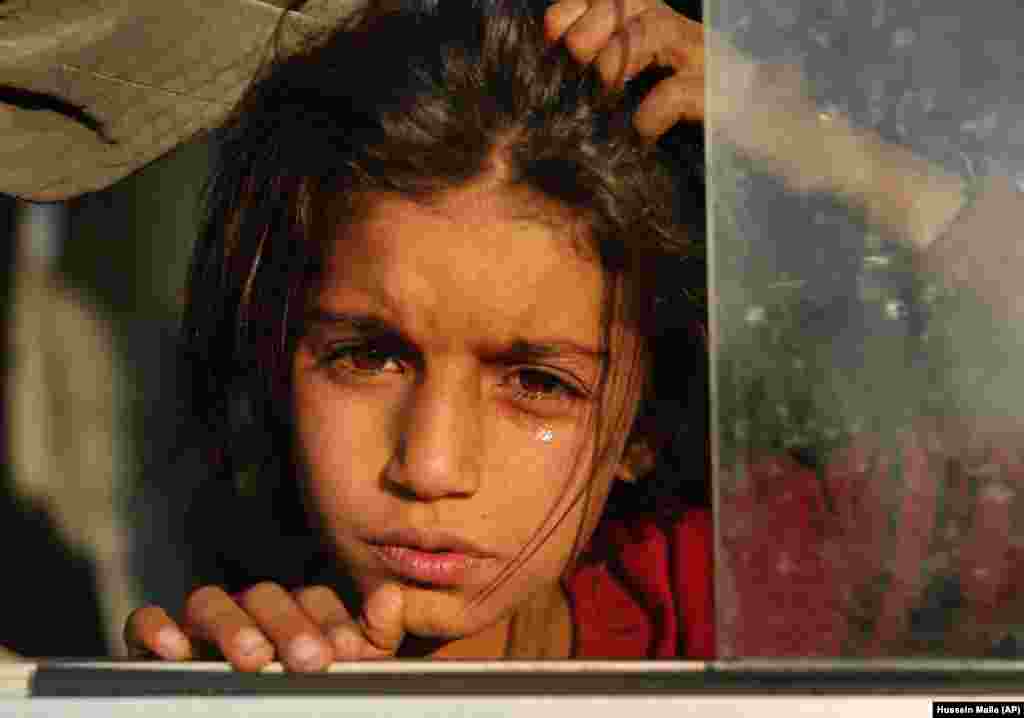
<point x="437" y="449"/>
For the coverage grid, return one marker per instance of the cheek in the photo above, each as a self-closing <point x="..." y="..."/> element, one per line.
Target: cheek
<point x="341" y="448"/>
<point x="545" y="488"/>
<point x="531" y="462"/>
<point x="575" y="489"/>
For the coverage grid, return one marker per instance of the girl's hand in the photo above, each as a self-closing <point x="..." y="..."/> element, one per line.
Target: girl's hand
<point x="306" y="629"/>
<point x="623" y="37"/>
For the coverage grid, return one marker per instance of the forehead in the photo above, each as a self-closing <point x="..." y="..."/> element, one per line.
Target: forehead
<point x="478" y="259"/>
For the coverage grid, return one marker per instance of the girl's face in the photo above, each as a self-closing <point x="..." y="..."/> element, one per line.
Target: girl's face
<point x="445" y="397"/>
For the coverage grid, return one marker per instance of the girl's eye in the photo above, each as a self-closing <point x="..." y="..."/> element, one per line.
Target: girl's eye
<point x="364" y="359"/>
<point x="535" y="384"/>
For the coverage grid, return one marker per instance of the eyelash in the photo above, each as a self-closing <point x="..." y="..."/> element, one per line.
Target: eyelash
<point x="560" y="389"/>
<point x="340" y="352"/>
<point x="563" y="390"/>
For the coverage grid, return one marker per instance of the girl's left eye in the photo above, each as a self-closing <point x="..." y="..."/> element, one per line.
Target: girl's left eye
<point x="535" y="384"/>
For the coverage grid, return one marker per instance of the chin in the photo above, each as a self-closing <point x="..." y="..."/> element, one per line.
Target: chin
<point x="446" y="614"/>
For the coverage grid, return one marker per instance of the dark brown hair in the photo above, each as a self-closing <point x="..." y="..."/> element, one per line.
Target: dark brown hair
<point x="415" y="98"/>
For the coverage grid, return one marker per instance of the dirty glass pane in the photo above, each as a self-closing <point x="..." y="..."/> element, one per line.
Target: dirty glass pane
<point x="866" y="158"/>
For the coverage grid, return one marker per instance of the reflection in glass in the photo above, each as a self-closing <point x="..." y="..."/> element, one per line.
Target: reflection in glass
<point x="864" y="207"/>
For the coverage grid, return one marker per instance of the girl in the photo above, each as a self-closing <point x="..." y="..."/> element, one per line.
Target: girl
<point x="443" y="278"/>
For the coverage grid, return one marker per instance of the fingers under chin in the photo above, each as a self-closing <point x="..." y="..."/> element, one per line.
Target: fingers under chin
<point x="214" y="617"/>
<point x="383" y="620"/>
<point x="298" y="639"/>
<point x="322" y="605"/>
<point x="348" y="642"/>
<point x="247" y="649"/>
<point x="430" y="617"/>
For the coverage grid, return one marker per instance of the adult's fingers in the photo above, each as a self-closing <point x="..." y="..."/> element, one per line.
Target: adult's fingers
<point x="586" y="27"/>
<point x="561" y="16"/>
<point x="630" y="50"/>
<point x="212" y="615"/>
<point x="622" y="38"/>
<point x="149" y="631"/>
<point x="656" y="36"/>
<point x="299" y="641"/>
<point x="677" y="97"/>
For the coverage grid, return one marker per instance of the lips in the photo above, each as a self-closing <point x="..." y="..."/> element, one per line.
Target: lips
<point x="435" y="558"/>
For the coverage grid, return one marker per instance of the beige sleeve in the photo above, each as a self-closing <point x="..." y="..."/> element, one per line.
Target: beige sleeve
<point x="66" y="436"/>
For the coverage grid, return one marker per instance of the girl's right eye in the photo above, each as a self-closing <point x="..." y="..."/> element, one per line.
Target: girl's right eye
<point x="363" y="359"/>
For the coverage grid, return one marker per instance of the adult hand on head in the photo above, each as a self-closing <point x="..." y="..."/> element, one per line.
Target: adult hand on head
<point x="762" y="109"/>
<point x="621" y="38"/>
<point x="306" y="629"/>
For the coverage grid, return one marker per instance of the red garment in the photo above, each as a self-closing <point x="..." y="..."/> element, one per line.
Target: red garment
<point x="647" y="592"/>
<point x="818" y="564"/>
<point x="888" y="551"/>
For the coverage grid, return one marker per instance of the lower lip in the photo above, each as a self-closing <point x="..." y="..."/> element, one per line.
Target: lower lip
<point x="440" y="569"/>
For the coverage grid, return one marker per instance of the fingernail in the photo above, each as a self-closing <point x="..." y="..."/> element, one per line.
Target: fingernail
<point x="171" y="642"/>
<point x="305" y="651"/>
<point x="250" y="641"/>
<point x="346" y="644"/>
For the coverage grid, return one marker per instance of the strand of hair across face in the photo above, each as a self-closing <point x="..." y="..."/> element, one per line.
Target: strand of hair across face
<point x="532" y="548"/>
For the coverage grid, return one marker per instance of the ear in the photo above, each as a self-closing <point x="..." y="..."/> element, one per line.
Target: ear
<point x="637" y="461"/>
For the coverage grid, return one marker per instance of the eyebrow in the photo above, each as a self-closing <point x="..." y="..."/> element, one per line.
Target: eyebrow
<point x="518" y="350"/>
<point x="523" y="349"/>
<point x="362" y="323"/>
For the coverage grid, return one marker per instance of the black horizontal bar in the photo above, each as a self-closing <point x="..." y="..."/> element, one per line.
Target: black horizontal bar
<point x="78" y="681"/>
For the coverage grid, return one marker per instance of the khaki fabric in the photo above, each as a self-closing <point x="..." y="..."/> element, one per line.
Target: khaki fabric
<point x="91" y="90"/>
<point x="63" y="435"/>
